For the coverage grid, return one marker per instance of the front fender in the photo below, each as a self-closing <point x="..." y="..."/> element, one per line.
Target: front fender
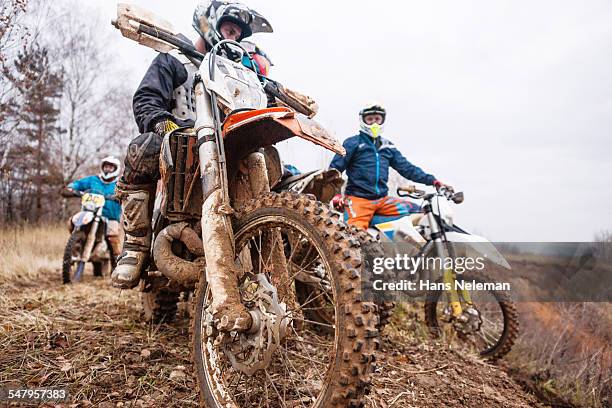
<point x="82" y="218"/>
<point x="479" y="245"/>
<point x="246" y="132"/>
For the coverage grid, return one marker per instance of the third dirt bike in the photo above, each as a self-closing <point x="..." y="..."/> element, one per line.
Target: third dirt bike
<point x="88" y="241"/>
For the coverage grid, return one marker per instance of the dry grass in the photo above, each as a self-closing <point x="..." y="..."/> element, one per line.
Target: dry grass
<point x="90" y="339"/>
<point x="564" y="353"/>
<point x="28" y="253"/>
<point x="86" y="337"/>
<point x="416" y="371"/>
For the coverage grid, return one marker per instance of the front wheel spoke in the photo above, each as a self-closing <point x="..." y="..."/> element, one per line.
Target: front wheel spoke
<point x="312" y="322"/>
<point x="297" y="389"/>
<point x="281" y="398"/>
<point x="309" y="301"/>
<point x="327" y="346"/>
<point x="306" y="358"/>
<point x="295" y="247"/>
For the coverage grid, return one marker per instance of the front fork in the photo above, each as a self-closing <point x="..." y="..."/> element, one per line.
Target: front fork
<point x="449" y="276"/>
<point x="217" y="233"/>
<point x="91" y="240"/>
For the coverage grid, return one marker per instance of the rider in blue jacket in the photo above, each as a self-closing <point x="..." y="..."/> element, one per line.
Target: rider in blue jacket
<point x="105" y="184"/>
<point x="367" y="161"/>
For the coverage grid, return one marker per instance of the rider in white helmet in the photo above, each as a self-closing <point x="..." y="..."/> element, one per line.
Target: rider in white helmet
<point x="367" y="161"/>
<point x="104" y="183"/>
<point x="110" y="168"/>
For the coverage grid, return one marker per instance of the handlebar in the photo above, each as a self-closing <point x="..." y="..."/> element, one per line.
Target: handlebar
<point x="69" y="193"/>
<point x="412" y="192"/>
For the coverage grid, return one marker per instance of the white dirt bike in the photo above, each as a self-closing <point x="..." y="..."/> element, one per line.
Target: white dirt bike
<point x="487" y="320"/>
<point x="88" y="241"/>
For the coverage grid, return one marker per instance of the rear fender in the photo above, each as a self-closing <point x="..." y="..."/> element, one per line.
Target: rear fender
<point x="476" y="245"/>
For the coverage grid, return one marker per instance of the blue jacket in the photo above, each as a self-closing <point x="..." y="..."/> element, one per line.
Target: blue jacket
<point x="93" y="184"/>
<point x="367" y="167"/>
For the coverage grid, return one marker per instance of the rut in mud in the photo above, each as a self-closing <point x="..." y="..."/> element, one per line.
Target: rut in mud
<point x="91" y="338"/>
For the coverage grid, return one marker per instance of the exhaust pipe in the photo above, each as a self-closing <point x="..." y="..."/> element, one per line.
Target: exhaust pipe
<point x="171" y="266"/>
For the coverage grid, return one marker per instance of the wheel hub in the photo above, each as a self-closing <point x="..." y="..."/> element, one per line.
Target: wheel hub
<point x="251" y="351"/>
<point x="469" y="321"/>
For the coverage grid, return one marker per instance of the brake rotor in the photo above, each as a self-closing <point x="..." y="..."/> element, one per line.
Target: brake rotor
<point x="251" y="351"/>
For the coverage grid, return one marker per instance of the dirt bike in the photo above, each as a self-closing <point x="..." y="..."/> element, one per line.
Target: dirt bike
<point x="487" y="320"/>
<point x="279" y="240"/>
<point x="87" y="242"/>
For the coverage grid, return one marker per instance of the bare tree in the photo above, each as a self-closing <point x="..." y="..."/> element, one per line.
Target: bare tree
<point x="13" y="35"/>
<point x="88" y="113"/>
<point x="93" y="108"/>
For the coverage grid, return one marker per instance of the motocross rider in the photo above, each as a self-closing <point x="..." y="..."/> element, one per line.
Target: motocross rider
<point x="367" y="161"/>
<point x="104" y="184"/>
<point x="163" y="102"/>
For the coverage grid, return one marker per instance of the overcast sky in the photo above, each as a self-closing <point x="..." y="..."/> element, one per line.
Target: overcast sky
<point x="509" y="101"/>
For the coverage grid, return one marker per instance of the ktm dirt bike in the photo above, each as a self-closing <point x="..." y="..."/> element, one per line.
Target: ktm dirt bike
<point x="87" y="242"/>
<point x="283" y="359"/>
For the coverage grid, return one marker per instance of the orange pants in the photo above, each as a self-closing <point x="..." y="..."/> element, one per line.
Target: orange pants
<point x="360" y="211"/>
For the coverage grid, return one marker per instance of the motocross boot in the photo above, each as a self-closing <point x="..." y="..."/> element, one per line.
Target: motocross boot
<point x="137" y="208"/>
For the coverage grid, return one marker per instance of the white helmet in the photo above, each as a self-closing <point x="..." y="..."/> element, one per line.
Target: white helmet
<point x="373" y="130"/>
<point x="112" y="175"/>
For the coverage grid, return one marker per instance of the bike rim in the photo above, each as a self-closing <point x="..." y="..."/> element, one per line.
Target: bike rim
<point x="490" y="333"/>
<point x="299" y="369"/>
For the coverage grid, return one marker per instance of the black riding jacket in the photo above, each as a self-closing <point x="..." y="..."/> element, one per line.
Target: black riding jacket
<point x="153" y="100"/>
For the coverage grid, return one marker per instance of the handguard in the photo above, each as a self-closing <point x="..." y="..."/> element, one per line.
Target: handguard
<point x="295" y="100"/>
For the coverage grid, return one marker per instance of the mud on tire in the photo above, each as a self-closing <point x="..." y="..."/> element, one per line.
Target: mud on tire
<point x="371" y="248"/>
<point x="508" y="310"/>
<point x="350" y="364"/>
<point x="71" y="246"/>
<point x="159" y="305"/>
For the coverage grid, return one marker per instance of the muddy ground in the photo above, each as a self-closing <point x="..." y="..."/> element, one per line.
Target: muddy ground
<point x="90" y="338"/>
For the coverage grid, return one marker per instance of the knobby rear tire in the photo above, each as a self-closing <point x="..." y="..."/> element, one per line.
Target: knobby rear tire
<point x="159" y="305"/>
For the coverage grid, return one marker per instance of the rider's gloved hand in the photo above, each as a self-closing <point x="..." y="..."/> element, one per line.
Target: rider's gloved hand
<point x="68" y="192"/>
<point x="438" y="185"/>
<point x="338" y="202"/>
<point x="164" y="126"/>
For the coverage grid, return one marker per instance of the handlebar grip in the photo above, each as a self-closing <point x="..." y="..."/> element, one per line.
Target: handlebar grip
<point x="407" y="189"/>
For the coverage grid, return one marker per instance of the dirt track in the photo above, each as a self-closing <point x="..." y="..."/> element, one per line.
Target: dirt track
<point x="89" y="338"/>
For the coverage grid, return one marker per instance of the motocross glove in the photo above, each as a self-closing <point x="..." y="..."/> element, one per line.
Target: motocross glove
<point x="68" y="192"/>
<point x="165" y="126"/>
<point x="438" y="185"/>
<point x="338" y="202"/>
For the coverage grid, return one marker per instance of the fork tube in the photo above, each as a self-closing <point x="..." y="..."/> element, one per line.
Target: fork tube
<point x="217" y="235"/>
<point x="91" y="239"/>
<point x="448" y="275"/>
